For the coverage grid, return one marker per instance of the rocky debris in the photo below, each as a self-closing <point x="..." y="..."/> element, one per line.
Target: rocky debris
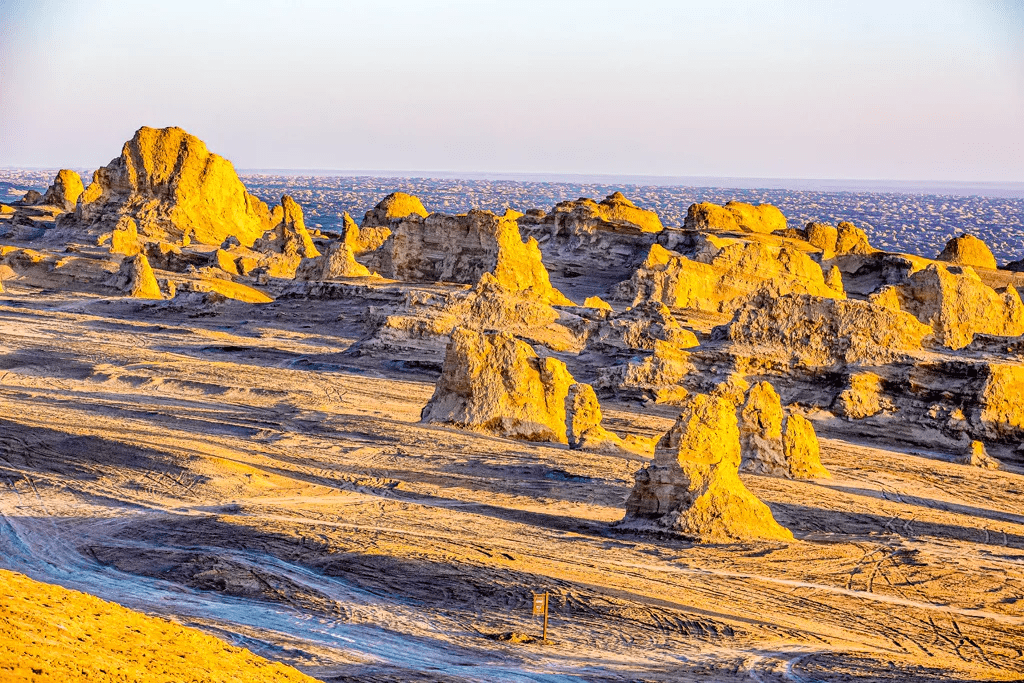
<point x="823" y="236"/>
<point x="136" y="278"/>
<point x="734" y="217"/>
<point x="801" y="448"/>
<point x="64" y="191"/>
<point x="852" y="240"/>
<point x="968" y="250"/>
<point x="497" y="383"/>
<point x="775" y="443"/>
<point x="977" y="456"/>
<point x="361" y="240"/>
<point x="175" y="189"/>
<point x="692" y="486"/>
<point x="462" y="248"/>
<point x="124" y="239"/>
<point x="338" y="260"/>
<point x="861" y="398"/>
<point x="959" y="305"/>
<point x="722" y="275"/>
<point x="819" y="332"/>
<point x="395" y="206"/>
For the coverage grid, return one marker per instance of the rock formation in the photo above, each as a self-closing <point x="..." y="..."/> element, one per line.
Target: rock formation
<point x="124" y="239"/>
<point x="640" y="327"/>
<point x="614" y="209"/>
<point x="395" y="206"/>
<point x="337" y="261"/>
<point x="998" y="407"/>
<point x="820" y="332"/>
<point x="655" y="376"/>
<point x="64" y="191"/>
<point x="175" y="189"/>
<point x="861" y="398"/>
<point x="497" y="383"/>
<point x="692" y="486"/>
<point x="959" y="305"/>
<point x="464" y="247"/>
<point x="734" y="217"/>
<point x="852" y="240"/>
<point x="360" y="240"/>
<point x="136" y="278"/>
<point x="774" y="443"/>
<point x="977" y="456"/>
<point x="722" y="275"/>
<point x="968" y="250"/>
<point x="823" y="236"/>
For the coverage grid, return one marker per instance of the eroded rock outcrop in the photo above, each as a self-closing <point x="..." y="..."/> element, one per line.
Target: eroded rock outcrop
<point x="734" y="217"/>
<point x="852" y="240"/>
<point x="818" y="331"/>
<point x="136" y="278"/>
<point x="360" y="240"/>
<point x="692" y="486"/>
<point x="968" y="250"/>
<point x="175" y="190"/>
<point x="64" y="191"/>
<point x="462" y="248"/>
<point x="977" y="456"/>
<point x="861" y="398"/>
<point x="774" y="442"/>
<point x="497" y="383"/>
<point x="396" y="205"/>
<point x="723" y="275"/>
<point x="338" y="260"/>
<point x="959" y="305"/>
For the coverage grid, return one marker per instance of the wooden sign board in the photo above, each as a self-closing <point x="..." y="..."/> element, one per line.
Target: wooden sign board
<point x="539" y="603"/>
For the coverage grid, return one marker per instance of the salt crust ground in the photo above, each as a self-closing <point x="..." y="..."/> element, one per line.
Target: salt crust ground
<point x="233" y="469"/>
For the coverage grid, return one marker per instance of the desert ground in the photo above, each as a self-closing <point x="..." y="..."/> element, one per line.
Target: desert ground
<point x="313" y="445"/>
<point x="237" y="471"/>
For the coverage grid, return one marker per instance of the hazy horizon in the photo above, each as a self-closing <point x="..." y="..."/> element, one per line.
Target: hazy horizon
<point x="906" y="91"/>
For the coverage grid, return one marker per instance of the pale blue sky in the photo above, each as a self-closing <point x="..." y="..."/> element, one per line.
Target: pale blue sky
<point x="892" y="89"/>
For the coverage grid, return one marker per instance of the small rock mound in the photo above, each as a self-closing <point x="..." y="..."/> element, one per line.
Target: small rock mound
<point x="692" y="486"/>
<point x="337" y="261"/>
<point x="395" y="206"/>
<point x="977" y="456"/>
<point x="823" y="236"/>
<point x="968" y="250"/>
<point x="851" y="240"/>
<point x="803" y="453"/>
<point x="774" y="443"/>
<point x="64" y="191"/>
<point x="136" y="278"/>
<point x="861" y="398"/>
<point x="361" y="240"/>
<point x="735" y="217"/>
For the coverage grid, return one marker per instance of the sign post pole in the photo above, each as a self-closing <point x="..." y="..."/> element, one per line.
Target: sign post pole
<point x="540" y="608"/>
<point x="544" y="638"/>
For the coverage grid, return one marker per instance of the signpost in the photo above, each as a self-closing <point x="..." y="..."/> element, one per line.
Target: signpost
<point x="540" y="608"/>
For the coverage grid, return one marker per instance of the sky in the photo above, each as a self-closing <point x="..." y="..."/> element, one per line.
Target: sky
<point x="891" y="89"/>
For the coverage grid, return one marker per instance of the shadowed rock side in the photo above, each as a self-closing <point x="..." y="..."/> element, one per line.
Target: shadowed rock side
<point x="49" y="633"/>
<point x="968" y="250"/>
<point x="734" y="217"/>
<point x="461" y="249"/>
<point x="175" y="190"/>
<point x="692" y="486"/>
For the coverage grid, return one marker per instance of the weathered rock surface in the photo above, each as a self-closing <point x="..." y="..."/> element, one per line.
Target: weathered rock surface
<point x="640" y="327"/>
<point x="692" y="486"/>
<point x="175" y="189"/>
<point x="734" y="217"/>
<point x="655" y="376"/>
<point x="442" y="248"/>
<point x="136" y="278"/>
<point x="823" y="236"/>
<point x="852" y="240"/>
<point x="959" y="305"/>
<point x="998" y="408"/>
<point x="64" y="191"/>
<point x="723" y="275"/>
<point x="360" y="240"/>
<point x="775" y="443"/>
<point x="801" y="448"/>
<point x="977" y="456"/>
<point x="396" y="205"/>
<point x="861" y="398"/>
<point x="125" y="238"/>
<point x="968" y="250"/>
<point x="818" y="331"/>
<point x="338" y="260"/>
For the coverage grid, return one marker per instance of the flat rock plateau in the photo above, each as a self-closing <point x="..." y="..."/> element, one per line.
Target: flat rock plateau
<point x="733" y="449"/>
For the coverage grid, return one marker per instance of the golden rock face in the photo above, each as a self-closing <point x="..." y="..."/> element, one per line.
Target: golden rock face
<point x="968" y="250"/>
<point x="735" y="217"/>
<point x="396" y="205"/>
<point x="54" y="634"/>
<point x="174" y="188"/>
<point x="65" y="190"/>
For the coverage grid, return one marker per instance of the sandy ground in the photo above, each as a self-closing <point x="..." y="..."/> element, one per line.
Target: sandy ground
<point x="234" y="469"/>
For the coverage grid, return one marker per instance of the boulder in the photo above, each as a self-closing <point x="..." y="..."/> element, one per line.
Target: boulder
<point x="461" y="249"/>
<point x="861" y="398"/>
<point x="968" y="250"/>
<point x="136" y="278"/>
<point x="125" y="238"/>
<point x="823" y="236"/>
<point x="583" y="423"/>
<point x="692" y="486"/>
<point x="598" y="303"/>
<point x="820" y="332"/>
<point x="497" y="383"/>
<point x="977" y="456"/>
<point x="734" y="217"/>
<point x="64" y="191"/>
<point x="723" y="275"/>
<point x="801" y="448"/>
<point x="395" y="206"/>
<point x="175" y="189"/>
<point x="958" y="305"/>
<point x="852" y="240"/>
